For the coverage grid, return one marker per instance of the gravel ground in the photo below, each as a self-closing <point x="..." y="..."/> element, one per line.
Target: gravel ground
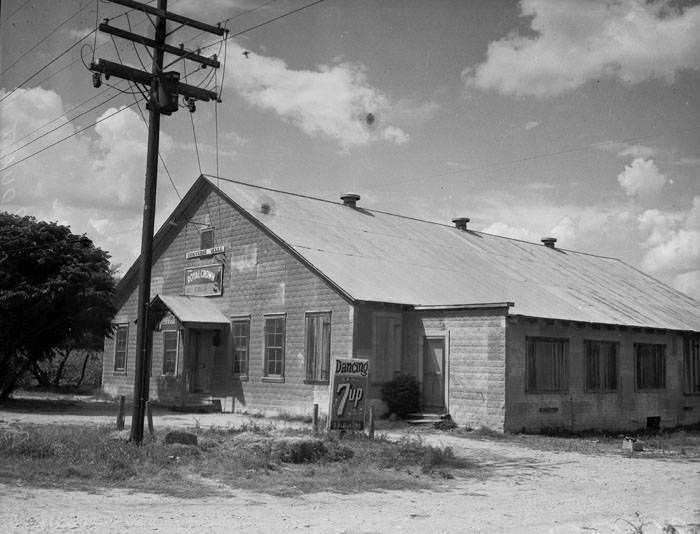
<point x="523" y="490"/>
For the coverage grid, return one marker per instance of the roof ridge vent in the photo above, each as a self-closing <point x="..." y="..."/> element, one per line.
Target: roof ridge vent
<point x="549" y="241"/>
<point x="350" y="199"/>
<point x="460" y="222"/>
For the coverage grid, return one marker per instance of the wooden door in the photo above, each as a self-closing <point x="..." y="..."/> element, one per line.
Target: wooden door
<point x="433" y="373"/>
<point x="203" y="360"/>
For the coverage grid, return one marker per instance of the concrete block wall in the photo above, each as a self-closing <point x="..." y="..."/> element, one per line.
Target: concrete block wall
<point x="578" y="409"/>
<point x="475" y="363"/>
<point x="260" y="277"/>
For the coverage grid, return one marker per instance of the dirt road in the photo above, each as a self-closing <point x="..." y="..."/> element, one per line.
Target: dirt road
<point x="518" y="490"/>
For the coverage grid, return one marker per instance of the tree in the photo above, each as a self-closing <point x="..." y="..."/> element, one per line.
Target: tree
<point x="55" y="289"/>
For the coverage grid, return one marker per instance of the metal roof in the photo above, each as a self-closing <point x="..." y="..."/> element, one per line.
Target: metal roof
<point x="192" y="310"/>
<point x="376" y="256"/>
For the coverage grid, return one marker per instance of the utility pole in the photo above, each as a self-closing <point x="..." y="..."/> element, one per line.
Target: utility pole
<point x="164" y="90"/>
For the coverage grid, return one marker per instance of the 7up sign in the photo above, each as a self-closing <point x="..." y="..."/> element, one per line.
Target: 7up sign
<point x="348" y="395"/>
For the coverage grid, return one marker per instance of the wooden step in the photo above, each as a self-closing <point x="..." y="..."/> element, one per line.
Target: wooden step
<point x="426" y="418"/>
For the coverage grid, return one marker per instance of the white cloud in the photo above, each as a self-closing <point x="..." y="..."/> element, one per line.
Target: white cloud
<point x="336" y="101"/>
<point x="92" y="181"/>
<point x="641" y="177"/>
<point x="688" y="283"/>
<point x="631" y="40"/>
<point x="515" y="232"/>
<point x="672" y="239"/>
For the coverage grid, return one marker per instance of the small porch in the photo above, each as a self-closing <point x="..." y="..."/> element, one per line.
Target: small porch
<point x="190" y="337"/>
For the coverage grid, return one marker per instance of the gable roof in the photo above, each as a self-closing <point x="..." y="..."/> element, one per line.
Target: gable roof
<point x="377" y="256"/>
<point x="374" y="256"/>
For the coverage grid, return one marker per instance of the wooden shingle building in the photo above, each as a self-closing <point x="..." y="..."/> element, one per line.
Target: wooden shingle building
<point x="255" y="292"/>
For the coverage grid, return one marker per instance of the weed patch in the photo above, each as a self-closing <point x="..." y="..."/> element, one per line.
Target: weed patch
<point x="251" y="456"/>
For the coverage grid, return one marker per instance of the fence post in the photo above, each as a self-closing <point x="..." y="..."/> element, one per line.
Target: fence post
<point x="371" y="421"/>
<point x="315" y="420"/>
<point x="149" y="416"/>
<point x="120" y="415"/>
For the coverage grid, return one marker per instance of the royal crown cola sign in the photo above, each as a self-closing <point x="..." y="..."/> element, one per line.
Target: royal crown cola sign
<point x="349" y="394"/>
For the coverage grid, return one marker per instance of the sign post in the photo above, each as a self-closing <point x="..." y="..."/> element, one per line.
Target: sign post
<point x="349" y="395"/>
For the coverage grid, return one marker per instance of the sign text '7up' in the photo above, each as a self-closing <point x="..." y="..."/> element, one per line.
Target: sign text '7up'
<point x="349" y="395"/>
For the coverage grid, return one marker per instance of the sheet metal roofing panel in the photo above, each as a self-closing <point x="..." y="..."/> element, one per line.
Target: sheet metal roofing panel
<point x="193" y="309"/>
<point x="376" y="256"/>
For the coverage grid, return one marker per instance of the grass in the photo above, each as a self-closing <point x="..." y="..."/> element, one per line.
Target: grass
<point x="252" y="456"/>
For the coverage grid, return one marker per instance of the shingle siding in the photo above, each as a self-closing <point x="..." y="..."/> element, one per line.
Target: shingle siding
<point x="260" y="277"/>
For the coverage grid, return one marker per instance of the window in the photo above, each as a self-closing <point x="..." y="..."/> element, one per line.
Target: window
<point x="691" y="364"/>
<point x="318" y="346"/>
<point x="274" y="347"/>
<point x="601" y="366"/>
<point x="386" y="345"/>
<point x="241" y="341"/>
<point x="546" y="365"/>
<point x="121" y="338"/>
<point x="170" y="352"/>
<point x="651" y="365"/>
<point x="206" y="238"/>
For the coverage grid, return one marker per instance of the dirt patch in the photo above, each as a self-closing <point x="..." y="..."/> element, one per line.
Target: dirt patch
<point x="525" y="488"/>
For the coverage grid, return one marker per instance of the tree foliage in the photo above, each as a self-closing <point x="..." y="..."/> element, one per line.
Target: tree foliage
<point x="55" y="292"/>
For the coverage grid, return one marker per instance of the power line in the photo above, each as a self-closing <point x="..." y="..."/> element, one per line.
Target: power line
<point x="16" y="10"/>
<point x="283" y="15"/>
<point x="59" y="126"/>
<point x="65" y="138"/>
<point x="63" y="53"/>
<point x="122" y="109"/>
<point x="45" y="38"/>
<point x="143" y="117"/>
<point x="571" y="150"/>
<point x="64" y="114"/>
<point x="264" y="23"/>
<point x="48" y="64"/>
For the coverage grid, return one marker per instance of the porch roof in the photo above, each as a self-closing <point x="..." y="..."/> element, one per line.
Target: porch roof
<point x="192" y="310"/>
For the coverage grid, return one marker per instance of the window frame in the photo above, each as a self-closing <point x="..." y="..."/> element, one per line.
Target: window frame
<point x="268" y="376"/>
<point x="314" y="374"/>
<point x="638" y="375"/>
<point x="121" y="327"/>
<point x="176" y="332"/>
<point x="691" y="364"/>
<point x="209" y="230"/>
<point x="235" y="322"/>
<point x="601" y="388"/>
<point x="530" y="357"/>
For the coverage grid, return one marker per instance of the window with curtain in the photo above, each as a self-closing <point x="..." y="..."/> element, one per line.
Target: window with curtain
<point x="547" y="366"/>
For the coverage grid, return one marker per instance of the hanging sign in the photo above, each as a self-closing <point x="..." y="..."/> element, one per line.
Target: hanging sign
<point x="204" y="252"/>
<point x="204" y="280"/>
<point x="349" y="394"/>
<point x="168" y="322"/>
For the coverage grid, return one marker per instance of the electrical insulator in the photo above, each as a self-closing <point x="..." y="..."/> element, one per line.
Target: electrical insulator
<point x="168" y="92"/>
<point x="96" y="80"/>
<point x="190" y="104"/>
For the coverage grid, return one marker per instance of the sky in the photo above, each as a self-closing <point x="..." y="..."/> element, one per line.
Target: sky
<point x="576" y="119"/>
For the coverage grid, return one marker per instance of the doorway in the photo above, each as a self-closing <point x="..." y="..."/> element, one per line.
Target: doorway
<point x="202" y="360"/>
<point x="434" y="374"/>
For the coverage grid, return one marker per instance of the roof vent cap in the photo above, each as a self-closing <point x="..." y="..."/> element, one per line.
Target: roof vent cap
<point x="350" y="199"/>
<point x="461" y="222"/>
<point x="549" y="241"/>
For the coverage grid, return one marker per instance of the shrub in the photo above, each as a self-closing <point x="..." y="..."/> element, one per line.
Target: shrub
<point x="402" y="395"/>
